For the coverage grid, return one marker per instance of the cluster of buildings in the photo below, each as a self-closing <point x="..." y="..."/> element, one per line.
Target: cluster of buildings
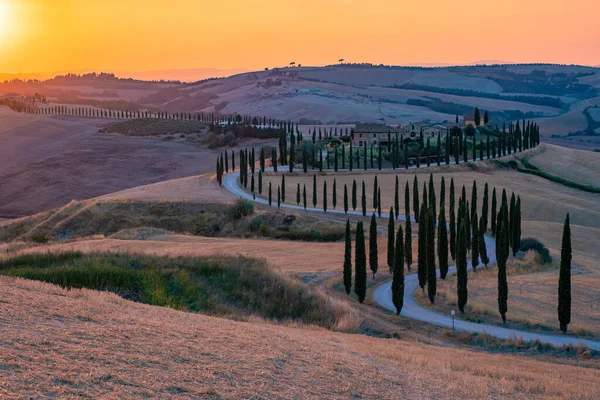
<point x="380" y="134"/>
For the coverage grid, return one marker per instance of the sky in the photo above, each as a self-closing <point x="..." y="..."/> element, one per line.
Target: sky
<point x="148" y="35"/>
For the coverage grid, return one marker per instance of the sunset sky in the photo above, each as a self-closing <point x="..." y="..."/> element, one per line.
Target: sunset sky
<point x="142" y="35"/>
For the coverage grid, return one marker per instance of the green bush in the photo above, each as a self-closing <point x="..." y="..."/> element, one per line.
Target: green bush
<point x="537" y="246"/>
<point x="241" y="208"/>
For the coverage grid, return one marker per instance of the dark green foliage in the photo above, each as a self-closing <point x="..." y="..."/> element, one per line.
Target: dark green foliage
<point x="475" y="241"/>
<point x="360" y="262"/>
<point x="354" y="195"/>
<point x="482" y="245"/>
<point x="348" y="259"/>
<point x="564" y="280"/>
<point x="396" y="209"/>
<point x="477" y="117"/>
<point x="432" y="202"/>
<point x="334" y="194"/>
<point x="364" y="200"/>
<point x="452" y="221"/>
<point x="535" y="245"/>
<point x="278" y="197"/>
<point x="484" y="209"/>
<point x="324" y="196"/>
<point x="422" y="247"/>
<point x="270" y="195"/>
<point x="390" y="244"/>
<point x="493" y="213"/>
<point x="407" y="201"/>
<point x="304" y="196"/>
<point x="398" y="273"/>
<point x="345" y="199"/>
<point x="442" y="242"/>
<point x="501" y="261"/>
<point x="431" y="270"/>
<point x="461" y="268"/>
<point x="416" y="199"/>
<point x="379" y="202"/>
<point x="298" y="195"/>
<point x="241" y="209"/>
<point x="373" y="251"/>
<point x="260" y="182"/>
<point x="408" y="244"/>
<point x="314" y="192"/>
<point x="283" y="188"/>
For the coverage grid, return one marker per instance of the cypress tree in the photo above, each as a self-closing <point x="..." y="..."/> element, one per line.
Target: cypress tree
<point x="334" y="194"/>
<point x="364" y="200"/>
<point x="252" y="184"/>
<point x="501" y="261"/>
<point x="516" y="229"/>
<point x="270" y="195"/>
<point x="407" y="201"/>
<point x="304" y="195"/>
<point x="226" y="162"/>
<point x="482" y="245"/>
<point x="354" y="195"/>
<point x="493" y="213"/>
<point x="396" y="210"/>
<point x="432" y="202"/>
<point x="512" y="222"/>
<point x="422" y="248"/>
<point x="390" y="244"/>
<point x="262" y="159"/>
<point x="298" y="195"/>
<point x="484" y="209"/>
<point x="475" y="242"/>
<point x="461" y="268"/>
<point x="564" y="280"/>
<point x="477" y="117"/>
<point x="416" y="199"/>
<point x="373" y="252"/>
<point x="345" y="199"/>
<point x="379" y="202"/>
<point x="348" y="259"/>
<point x="360" y="257"/>
<point x="260" y="183"/>
<point x="324" y="196"/>
<point x="398" y="273"/>
<point x="233" y="160"/>
<point x="442" y="242"/>
<point x="431" y="272"/>
<point x="314" y="192"/>
<point x="375" y="192"/>
<point x="274" y="159"/>
<point x="283" y="188"/>
<point x="443" y="191"/>
<point x="452" y="221"/>
<point x="408" y="244"/>
<point x="335" y="160"/>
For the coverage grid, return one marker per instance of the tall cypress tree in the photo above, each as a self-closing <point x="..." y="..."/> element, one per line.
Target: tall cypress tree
<point x="442" y="242"/>
<point x="334" y="194"/>
<point x="354" y="196"/>
<point x="431" y="271"/>
<point x="348" y="259"/>
<point x="324" y="196"/>
<point x="283" y="188"/>
<point x="461" y="268"/>
<point x="270" y="195"/>
<point x="432" y="202"/>
<point x="408" y="244"/>
<point x="396" y="199"/>
<point x="452" y="221"/>
<point x="373" y="252"/>
<point x="298" y="195"/>
<point x="501" y="261"/>
<point x="564" y="280"/>
<point x="407" y="201"/>
<point x="260" y="182"/>
<point x="475" y="241"/>
<point x="482" y="245"/>
<point x="398" y="273"/>
<point x="375" y="193"/>
<point x="442" y="191"/>
<point x="345" y="199"/>
<point x="484" y="209"/>
<point x="416" y="199"/>
<point x="422" y="247"/>
<point x="493" y="213"/>
<point x="314" y="192"/>
<point x="364" y="200"/>
<point x="360" y="260"/>
<point x="379" y="202"/>
<point x="390" y="244"/>
<point x="278" y="196"/>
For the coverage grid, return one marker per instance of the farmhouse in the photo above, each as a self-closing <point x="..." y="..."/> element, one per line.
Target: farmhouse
<point x="373" y="134"/>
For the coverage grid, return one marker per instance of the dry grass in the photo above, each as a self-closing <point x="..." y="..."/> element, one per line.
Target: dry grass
<point x="575" y="165"/>
<point x="532" y="297"/>
<point x="73" y="343"/>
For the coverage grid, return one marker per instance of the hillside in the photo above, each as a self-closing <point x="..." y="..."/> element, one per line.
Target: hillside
<point x="556" y="95"/>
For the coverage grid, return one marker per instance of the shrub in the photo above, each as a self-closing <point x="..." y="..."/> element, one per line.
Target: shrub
<point x="241" y="209"/>
<point x="538" y="247"/>
<point x="256" y="224"/>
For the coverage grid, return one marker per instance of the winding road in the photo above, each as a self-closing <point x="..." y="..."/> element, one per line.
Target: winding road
<point x="410" y="309"/>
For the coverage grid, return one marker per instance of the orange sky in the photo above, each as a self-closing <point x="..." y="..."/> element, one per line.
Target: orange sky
<point x="141" y="35"/>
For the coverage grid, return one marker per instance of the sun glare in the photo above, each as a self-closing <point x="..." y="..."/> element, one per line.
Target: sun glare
<point x="5" y="19"/>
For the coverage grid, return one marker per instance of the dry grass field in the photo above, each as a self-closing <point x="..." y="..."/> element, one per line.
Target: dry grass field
<point x="577" y="166"/>
<point x="532" y="294"/>
<point x="59" y="343"/>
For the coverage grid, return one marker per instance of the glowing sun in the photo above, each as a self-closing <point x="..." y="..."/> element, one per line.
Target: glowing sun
<point x="5" y="18"/>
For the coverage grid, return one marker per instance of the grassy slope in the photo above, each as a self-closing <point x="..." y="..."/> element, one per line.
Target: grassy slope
<point x="71" y="343"/>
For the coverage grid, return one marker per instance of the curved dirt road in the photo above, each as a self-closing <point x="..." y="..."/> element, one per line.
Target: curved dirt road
<point x="410" y="309"/>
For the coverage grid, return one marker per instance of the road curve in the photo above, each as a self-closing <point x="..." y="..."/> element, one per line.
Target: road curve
<point x="411" y="309"/>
